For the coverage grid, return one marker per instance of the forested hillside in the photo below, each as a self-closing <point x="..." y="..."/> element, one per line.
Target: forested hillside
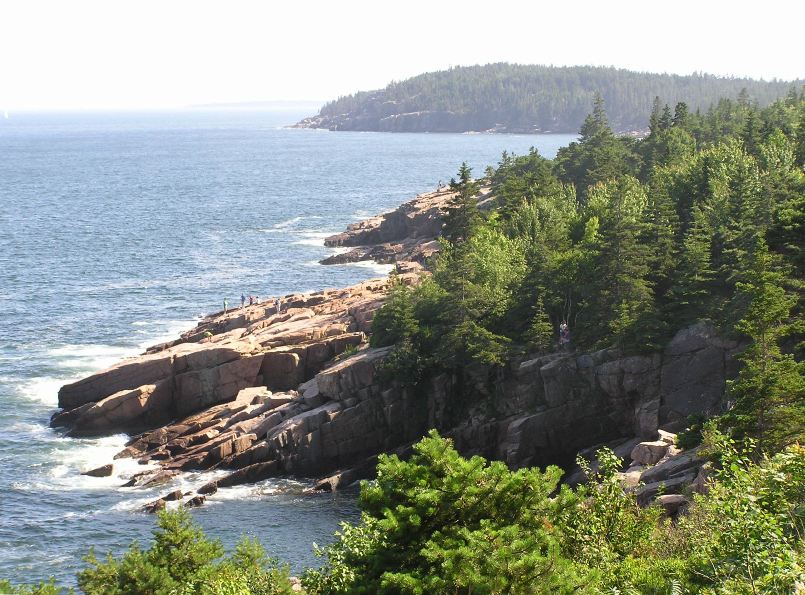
<point x="626" y="242"/>
<point x="530" y="98"/>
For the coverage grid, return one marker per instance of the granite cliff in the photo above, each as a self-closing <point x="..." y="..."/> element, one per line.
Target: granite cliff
<point x="260" y="393"/>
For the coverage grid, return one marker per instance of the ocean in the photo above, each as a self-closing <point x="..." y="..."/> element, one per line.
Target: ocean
<point x="118" y="231"/>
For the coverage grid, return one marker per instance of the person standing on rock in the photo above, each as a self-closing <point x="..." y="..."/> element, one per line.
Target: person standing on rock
<point x="251" y="301"/>
<point x="564" y="336"/>
<point x="226" y="305"/>
<point x="242" y="300"/>
<point x="279" y="305"/>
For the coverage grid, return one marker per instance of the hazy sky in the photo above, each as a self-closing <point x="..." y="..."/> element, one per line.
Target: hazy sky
<point x="172" y="53"/>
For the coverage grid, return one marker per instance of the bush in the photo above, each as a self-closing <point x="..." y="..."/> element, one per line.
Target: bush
<point x="182" y="560"/>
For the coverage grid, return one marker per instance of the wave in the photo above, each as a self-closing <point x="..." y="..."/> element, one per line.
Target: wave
<point x="44" y="390"/>
<point x="378" y="268"/>
<point x="72" y="361"/>
<point x="89" y="356"/>
<point x="312" y="237"/>
<point x="283" y="225"/>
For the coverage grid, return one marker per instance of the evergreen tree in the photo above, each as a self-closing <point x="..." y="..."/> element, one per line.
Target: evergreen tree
<point x="769" y="393"/>
<point x="462" y="213"/>
<point x="540" y="334"/>
<point x="681" y="115"/>
<point x="666" y="118"/>
<point x="694" y="274"/>
<point x="624" y="293"/>
<point x="598" y="156"/>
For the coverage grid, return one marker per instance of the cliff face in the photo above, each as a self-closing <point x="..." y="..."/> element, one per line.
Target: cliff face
<point x="263" y="393"/>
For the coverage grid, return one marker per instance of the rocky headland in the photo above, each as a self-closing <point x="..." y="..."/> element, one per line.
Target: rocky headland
<point x="254" y="393"/>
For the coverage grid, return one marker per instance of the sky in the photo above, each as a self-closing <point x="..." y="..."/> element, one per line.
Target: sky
<point x="145" y="54"/>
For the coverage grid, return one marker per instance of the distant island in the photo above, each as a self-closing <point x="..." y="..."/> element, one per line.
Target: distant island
<point x="516" y="98"/>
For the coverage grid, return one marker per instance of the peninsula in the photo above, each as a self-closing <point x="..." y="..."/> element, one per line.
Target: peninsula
<point x="527" y="99"/>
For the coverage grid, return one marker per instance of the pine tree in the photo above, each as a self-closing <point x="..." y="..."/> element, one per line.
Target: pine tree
<point x="462" y="213"/>
<point x="694" y="274"/>
<point x="540" y="332"/>
<point x="666" y="118"/>
<point x="624" y="292"/>
<point x="681" y="115"/>
<point x="654" y="118"/>
<point x="769" y="393"/>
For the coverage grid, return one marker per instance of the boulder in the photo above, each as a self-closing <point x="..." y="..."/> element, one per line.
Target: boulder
<point x="672" y="503"/>
<point x="143" y="406"/>
<point x="673" y="466"/>
<point x="282" y="369"/>
<point x="347" y="377"/>
<point x="195" y="501"/>
<point x="139" y="371"/>
<point x="104" y="471"/>
<point x="155" y="506"/>
<point x="675" y="485"/>
<point x="208" y="488"/>
<point x="648" y="453"/>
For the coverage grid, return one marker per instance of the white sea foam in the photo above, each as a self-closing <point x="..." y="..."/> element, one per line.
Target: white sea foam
<point x="171" y="329"/>
<point x="259" y="490"/>
<point x="376" y="267"/>
<point x="312" y="237"/>
<point x="89" y="357"/>
<point x="44" y="390"/>
<point x="282" y="225"/>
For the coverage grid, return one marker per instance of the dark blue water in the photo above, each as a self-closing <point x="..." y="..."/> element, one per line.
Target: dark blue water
<point x="120" y="230"/>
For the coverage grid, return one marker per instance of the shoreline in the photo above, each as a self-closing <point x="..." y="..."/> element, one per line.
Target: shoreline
<point x="202" y="400"/>
<point x="254" y="393"/>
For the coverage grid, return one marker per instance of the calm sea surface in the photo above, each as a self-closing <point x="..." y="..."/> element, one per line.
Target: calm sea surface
<point x="120" y="230"/>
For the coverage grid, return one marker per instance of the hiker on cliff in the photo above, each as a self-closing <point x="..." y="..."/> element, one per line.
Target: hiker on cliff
<point x="242" y="300"/>
<point x="251" y="301"/>
<point x="564" y="335"/>
<point x="278" y="303"/>
<point x="257" y="300"/>
<point x="226" y="305"/>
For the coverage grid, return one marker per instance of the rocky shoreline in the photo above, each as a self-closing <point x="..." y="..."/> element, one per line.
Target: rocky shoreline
<point x="255" y="393"/>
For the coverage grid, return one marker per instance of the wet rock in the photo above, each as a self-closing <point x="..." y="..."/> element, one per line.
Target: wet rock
<point x="208" y="488"/>
<point x="150" y="478"/>
<point x="195" y="502"/>
<point x="103" y="471"/>
<point x="155" y="506"/>
<point x="175" y="495"/>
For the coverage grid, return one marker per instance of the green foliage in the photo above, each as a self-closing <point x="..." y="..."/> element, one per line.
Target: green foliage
<point x="745" y="535"/>
<point x="598" y="156"/>
<point x="691" y="436"/>
<point x="183" y="560"/>
<point x="540" y="334"/>
<point x="533" y="98"/>
<point x="625" y="254"/>
<point x="440" y="523"/>
<point x="462" y="214"/>
<point x="769" y="393"/>
<point x="43" y="588"/>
